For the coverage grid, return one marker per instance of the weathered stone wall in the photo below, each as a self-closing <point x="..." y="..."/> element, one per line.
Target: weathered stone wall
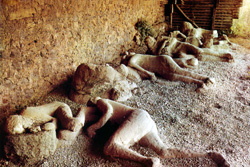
<point x="43" y="41"/>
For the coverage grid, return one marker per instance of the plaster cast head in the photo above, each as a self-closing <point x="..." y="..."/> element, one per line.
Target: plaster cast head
<point x="16" y="124"/>
<point x="186" y="27"/>
<point x="150" y="41"/>
<point x="193" y="62"/>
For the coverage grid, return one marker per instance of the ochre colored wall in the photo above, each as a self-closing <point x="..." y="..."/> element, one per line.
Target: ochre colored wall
<point x="43" y="41"/>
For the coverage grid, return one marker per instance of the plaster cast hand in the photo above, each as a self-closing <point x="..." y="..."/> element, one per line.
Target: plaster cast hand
<point x="91" y="132"/>
<point x="153" y="77"/>
<point x="218" y="159"/>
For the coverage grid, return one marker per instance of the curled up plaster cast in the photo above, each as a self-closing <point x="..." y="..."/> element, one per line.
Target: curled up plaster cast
<point x="91" y="80"/>
<point x="136" y="126"/>
<point x="31" y="136"/>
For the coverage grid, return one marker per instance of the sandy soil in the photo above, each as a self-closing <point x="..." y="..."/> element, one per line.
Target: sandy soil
<point x="215" y="120"/>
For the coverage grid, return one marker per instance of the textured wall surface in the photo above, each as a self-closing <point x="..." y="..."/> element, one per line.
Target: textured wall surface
<point x="43" y="41"/>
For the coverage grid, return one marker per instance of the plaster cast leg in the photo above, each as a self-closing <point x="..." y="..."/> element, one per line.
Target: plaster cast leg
<point x="186" y="79"/>
<point x="172" y="71"/>
<point x="190" y="49"/>
<point x="202" y="82"/>
<point x="186" y="62"/>
<point x="131" y="131"/>
<point x="69" y="135"/>
<point x="147" y="73"/>
<point x="210" y="55"/>
<point x="153" y="141"/>
<point x="66" y="119"/>
<point x="120" y="151"/>
<point x="186" y="73"/>
<point x="174" y="68"/>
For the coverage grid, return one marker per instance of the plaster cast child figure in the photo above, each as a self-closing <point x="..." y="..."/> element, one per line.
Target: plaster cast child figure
<point x="136" y="126"/>
<point x="45" y="117"/>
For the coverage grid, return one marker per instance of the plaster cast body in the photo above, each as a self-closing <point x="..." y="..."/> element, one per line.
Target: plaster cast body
<point x="185" y="51"/>
<point x="165" y="67"/>
<point x="136" y="125"/>
<point x="45" y="117"/>
<point x="205" y="36"/>
<point x="92" y="80"/>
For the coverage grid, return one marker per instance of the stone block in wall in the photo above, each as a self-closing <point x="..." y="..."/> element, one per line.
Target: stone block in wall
<point x="28" y="149"/>
<point x="22" y="13"/>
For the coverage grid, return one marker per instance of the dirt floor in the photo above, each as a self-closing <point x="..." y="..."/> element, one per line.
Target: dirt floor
<point x="215" y="120"/>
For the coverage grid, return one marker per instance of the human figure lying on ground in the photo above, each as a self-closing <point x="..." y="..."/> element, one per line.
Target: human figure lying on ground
<point x="46" y="117"/>
<point x="206" y="38"/>
<point x="136" y="126"/>
<point x="184" y="51"/>
<point x="165" y="67"/>
<point x="91" y="80"/>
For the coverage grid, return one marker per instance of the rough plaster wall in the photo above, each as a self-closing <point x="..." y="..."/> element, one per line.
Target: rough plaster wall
<point x="43" y="41"/>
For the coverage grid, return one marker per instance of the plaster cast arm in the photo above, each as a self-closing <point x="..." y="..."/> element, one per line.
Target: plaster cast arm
<point x="176" y="34"/>
<point x="133" y="63"/>
<point x="147" y="73"/>
<point x="107" y="111"/>
<point x="162" y="46"/>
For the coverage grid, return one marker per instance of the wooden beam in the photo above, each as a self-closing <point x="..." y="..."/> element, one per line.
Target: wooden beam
<point x="171" y="15"/>
<point x="216" y="4"/>
<point x="180" y="10"/>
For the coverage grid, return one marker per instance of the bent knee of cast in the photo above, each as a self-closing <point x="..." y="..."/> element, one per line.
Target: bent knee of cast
<point x="111" y="148"/>
<point x="65" y="110"/>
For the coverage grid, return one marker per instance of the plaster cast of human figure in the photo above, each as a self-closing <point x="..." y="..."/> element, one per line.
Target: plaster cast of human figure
<point x="205" y="36"/>
<point x="136" y="126"/>
<point x="155" y="47"/>
<point x="45" y="117"/>
<point x="173" y="47"/>
<point x="91" y="80"/>
<point x="165" y="67"/>
<point x="208" y="37"/>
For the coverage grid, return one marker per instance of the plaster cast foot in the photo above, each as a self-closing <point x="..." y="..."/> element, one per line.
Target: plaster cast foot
<point x="67" y="135"/>
<point x="48" y="126"/>
<point x="202" y="89"/>
<point x="218" y="159"/>
<point x="75" y="125"/>
<point x="205" y="86"/>
<point x="153" y="162"/>
<point x="192" y="62"/>
<point x="229" y="57"/>
<point x="209" y="81"/>
<point x="152" y="76"/>
<point x="35" y="129"/>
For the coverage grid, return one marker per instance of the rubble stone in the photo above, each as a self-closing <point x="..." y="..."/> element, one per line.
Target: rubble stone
<point x="30" y="148"/>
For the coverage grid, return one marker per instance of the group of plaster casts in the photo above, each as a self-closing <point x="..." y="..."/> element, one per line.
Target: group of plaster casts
<point x="92" y="80"/>
<point x="135" y="126"/>
<point x="169" y="56"/>
<point x="189" y="45"/>
<point x="106" y="82"/>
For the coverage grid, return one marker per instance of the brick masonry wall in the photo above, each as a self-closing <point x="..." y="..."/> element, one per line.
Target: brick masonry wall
<point x="43" y="41"/>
